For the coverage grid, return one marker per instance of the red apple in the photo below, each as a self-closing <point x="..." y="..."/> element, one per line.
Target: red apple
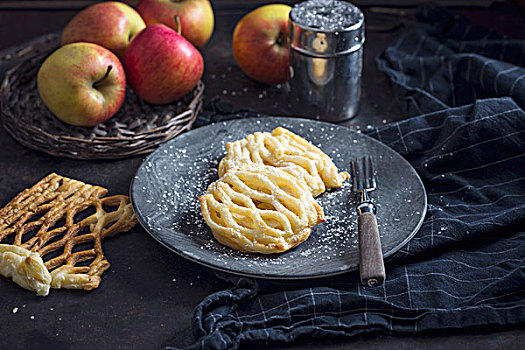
<point x="162" y="66"/>
<point x="196" y="17"/>
<point x="108" y="24"/>
<point x="260" y="44"/>
<point x="82" y="84"/>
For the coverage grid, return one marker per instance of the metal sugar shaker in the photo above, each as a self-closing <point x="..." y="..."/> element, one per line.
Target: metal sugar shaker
<point x="325" y="70"/>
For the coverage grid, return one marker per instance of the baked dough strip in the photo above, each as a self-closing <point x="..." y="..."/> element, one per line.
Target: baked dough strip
<point x="51" y="210"/>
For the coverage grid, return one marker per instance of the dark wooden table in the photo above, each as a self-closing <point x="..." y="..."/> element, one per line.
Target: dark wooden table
<point x="146" y="299"/>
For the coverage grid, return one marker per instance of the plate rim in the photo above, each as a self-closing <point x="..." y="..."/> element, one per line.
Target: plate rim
<point x="262" y="275"/>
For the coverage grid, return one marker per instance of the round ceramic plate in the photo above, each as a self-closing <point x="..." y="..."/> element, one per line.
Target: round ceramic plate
<point x="165" y="189"/>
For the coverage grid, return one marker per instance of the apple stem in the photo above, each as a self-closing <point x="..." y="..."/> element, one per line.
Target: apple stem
<point x="281" y="39"/>
<point x="177" y="23"/>
<point x="104" y="77"/>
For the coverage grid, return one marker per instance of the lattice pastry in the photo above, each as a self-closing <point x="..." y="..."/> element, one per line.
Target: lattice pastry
<point x="45" y="242"/>
<point x="284" y="149"/>
<point x="260" y="210"/>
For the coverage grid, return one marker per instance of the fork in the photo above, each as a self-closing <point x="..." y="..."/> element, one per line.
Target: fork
<point x="371" y="265"/>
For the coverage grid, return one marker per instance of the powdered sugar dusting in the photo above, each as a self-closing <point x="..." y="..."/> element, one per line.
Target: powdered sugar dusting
<point x="167" y="185"/>
<point x="328" y="15"/>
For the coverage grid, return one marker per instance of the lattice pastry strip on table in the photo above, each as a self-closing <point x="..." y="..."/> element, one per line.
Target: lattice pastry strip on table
<point x="295" y="155"/>
<point x="260" y="210"/>
<point x="49" y="209"/>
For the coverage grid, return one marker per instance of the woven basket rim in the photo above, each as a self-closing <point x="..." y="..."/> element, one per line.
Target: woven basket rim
<point x="170" y="120"/>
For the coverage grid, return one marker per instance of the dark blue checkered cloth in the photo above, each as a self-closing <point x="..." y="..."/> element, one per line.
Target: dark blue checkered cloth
<point x="464" y="89"/>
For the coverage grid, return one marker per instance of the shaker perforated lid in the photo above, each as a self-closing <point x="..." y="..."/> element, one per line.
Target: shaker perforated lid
<point x="326" y="28"/>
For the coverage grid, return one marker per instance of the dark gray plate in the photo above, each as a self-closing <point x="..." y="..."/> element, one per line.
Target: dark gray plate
<point x="165" y="189"/>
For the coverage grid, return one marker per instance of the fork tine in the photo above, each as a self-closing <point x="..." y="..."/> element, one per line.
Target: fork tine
<point x="372" y="173"/>
<point x="359" y="174"/>
<point x="363" y="174"/>
<point x="354" y="175"/>
<point x="366" y="174"/>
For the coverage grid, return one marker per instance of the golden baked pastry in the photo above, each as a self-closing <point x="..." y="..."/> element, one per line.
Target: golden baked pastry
<point x="260" y="210"/>
<point x="57" y="215"/>
<point x="284" y="149"/>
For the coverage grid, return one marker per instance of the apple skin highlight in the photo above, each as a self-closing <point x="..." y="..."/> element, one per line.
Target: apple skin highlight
<point x="75" y="84"/>
<point x="260" y="44"/>
<point x="108" y="24"/>
<point x="161" y="66"/>
<point x="196" y="17"/>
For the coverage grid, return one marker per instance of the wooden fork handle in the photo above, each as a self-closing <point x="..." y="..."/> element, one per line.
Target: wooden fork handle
<point x="371" y="265"/>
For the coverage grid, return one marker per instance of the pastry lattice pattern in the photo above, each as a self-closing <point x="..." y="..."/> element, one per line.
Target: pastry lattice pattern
<point x="48" y="218"/>
<point x="259" y="209"/>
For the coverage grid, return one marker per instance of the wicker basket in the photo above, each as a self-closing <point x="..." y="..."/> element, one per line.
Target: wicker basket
<point x="137" y="128"/>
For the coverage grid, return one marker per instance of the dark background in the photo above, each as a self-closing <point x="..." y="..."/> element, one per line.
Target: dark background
<point x="146" y="299"/>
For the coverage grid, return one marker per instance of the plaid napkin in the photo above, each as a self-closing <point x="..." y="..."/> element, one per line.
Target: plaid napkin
<point x="464" y="88"/>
